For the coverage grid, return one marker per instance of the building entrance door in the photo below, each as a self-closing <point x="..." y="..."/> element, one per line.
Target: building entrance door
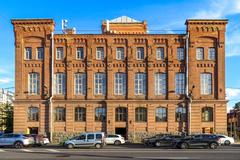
<point x="33" y="130"/>
<point x="121" y="131"/>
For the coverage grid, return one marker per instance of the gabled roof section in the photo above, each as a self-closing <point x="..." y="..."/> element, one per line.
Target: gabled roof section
<point x="124" y="19"/>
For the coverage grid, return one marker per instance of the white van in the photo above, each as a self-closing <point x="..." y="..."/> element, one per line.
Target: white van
<point x="91" y="139"/>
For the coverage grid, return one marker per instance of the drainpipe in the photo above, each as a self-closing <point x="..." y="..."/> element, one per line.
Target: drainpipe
<point x="189" y="98"/>
<point x="50" y="99"/>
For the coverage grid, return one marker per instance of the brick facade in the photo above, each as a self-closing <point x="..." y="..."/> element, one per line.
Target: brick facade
<point x="37" y="33"/>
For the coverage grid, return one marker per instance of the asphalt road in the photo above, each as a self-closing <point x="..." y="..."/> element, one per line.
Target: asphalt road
<point x="124" y="152"/>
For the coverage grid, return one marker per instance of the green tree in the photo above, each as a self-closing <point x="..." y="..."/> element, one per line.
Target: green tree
<point x="6" y="117"/>
<point x="237" y="106"/>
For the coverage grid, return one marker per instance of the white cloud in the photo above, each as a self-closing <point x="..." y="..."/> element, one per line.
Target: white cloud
<point x="233" y="93"/>
<point x="6" y="80"/>
<point x="219" y="9"/>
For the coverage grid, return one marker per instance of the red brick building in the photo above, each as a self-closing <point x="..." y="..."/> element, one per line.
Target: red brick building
<point x="123" y="80"/>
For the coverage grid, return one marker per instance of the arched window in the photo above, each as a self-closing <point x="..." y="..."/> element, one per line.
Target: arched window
<point x="207" y="114"/>
<point x="100" y="114"/>
<point x="60" y="114"/>
<point x="161" y="114"/>
<point x="121" y="114"/>
<point x="141" y="114"/>
<point x="80" y="114"/>
<point x="181" y="114"/>
<point x="33" y="114"/>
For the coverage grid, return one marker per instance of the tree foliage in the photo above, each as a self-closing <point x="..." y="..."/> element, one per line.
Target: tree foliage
<point x="6" y="117"/>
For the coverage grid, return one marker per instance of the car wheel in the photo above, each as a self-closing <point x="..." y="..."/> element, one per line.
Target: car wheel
<point x="117" y="142"/>
<point x="70" y="146"/>
<point x="18" y="145"/>
<point x="98" y="146"/>
<point x="157" y="144"/>
<point x="213" y="145"/>
<point x="184" y="146"/>
<point x="227" y="143"/>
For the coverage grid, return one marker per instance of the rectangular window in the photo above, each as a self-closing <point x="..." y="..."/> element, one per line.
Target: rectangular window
<point x="180" y="53"/>
<point x="206" y="83"/>
<point x="120" y="53"/>
<point x="100" y="114"/>
<point x="161" y="114"/>
<point x="80" y="84"/>
<point x="100" y="83"/>
<point x="140" y="53"/>
<point x="140" y="84"/>
<point x="160" y="84"/>
<point x="79" y="53"/>
<point x="60" y="83"/>
<point x="120" y="84"/>
<point x="100" y="53"/>
<point x="199" y="53"/>
<point x="40" y="53"/>
<point x="28" y="53"/>
<point x="59" y="54"/>
<point x="160" y="53"/>
<point x="211" y="53"/>
<point x="33" y="83"/>
<point x="60" y="114"/>
<point x="180" y="83"/>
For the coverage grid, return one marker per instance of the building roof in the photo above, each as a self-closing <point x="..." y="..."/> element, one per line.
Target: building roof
<point x="124" y="19"/>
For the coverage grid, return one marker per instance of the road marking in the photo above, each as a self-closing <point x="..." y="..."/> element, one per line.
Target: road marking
<point x="52" y="150"/>
<point x="178" y="158"/>
<point x="26" y="150"/>
<point x="1" y="150"/>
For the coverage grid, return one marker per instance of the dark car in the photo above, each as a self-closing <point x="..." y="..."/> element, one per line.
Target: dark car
<point x="197" y="141"/>
<point x="150" y="141"/>
<point x="168" y="141"/>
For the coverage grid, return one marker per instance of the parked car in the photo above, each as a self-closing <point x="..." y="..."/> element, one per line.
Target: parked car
<point x="95" y="139"/>
<point x="225" y="140"/>
<point x="39" y="139"/>
<point x="201" y="140"/>
<point x="115" y="139"/>
<point x="150" y="141"/>
<point x="45" y="140"/>
<point x="168" y="141"/>
<point x="16" y="140"/>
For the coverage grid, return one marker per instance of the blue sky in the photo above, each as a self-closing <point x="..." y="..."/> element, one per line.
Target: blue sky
<point x="160" y="14"/>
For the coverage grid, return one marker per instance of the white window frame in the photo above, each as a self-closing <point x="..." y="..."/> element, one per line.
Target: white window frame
<point x="99" y="83"/>
<point x="180" y="53"/>
<point x="120" y="53"/>
<point x="180" y="83"/>
<point x="79" y="83"/>
<point x="40" y="53"/>
<point x="160" y="83"/>
<point x="199" y="53"/>
<point x="140" y="83"/>
<point x="33" y="83"/>
<point x="28" y="53"/>
<point x="60" y="83"/>
<point x="140" y="53"/>
<point x="99" y="53"/>
<point x="80" y="53"/>
<point x="206" y="83"/>
<point x="120" y="84"/>
<point x="211" y="53"/>
<point x="59" y="53"/>
<point x="160" y="53"/>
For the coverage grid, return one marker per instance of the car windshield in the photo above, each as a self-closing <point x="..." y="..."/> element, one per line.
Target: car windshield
<point x="74" y="138"/>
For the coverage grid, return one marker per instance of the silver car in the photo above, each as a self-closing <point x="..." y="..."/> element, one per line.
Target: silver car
<point x="16" y="140"/>
<point x="94" y="139"/>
